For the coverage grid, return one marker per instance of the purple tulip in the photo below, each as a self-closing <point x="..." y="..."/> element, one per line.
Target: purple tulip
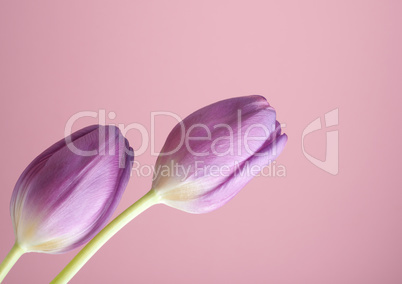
<point x="67" y="194"/>
<point x="215" y="152"/>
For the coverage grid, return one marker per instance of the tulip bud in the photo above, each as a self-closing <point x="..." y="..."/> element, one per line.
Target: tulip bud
<point x="215" y="151"/>
<point x="67" y="194"/>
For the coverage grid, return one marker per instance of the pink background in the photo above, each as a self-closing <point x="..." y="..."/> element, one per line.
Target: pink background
<point x="134" y="57"/>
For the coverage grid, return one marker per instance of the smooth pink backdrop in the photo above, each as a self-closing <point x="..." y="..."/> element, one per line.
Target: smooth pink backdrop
<point x="133" y="57"/>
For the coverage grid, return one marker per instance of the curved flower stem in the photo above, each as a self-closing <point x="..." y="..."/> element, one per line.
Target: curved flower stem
<point x="149" y="199"/>
<point x="9" y="261"/>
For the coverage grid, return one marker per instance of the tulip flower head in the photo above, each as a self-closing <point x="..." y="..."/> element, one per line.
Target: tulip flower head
<point x="67" y="194"/>
<point x="215" y="151"/>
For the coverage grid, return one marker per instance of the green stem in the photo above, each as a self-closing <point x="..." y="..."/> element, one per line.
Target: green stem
<point x="11" y="258"/>
<point x="149" y="199"/>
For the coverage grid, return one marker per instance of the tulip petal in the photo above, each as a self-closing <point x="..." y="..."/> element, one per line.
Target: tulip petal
<point x="64" y="197"/>
<point x="225" y="125"/>
<point x="18" y="196"/>
<point x="210" y="173"/>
